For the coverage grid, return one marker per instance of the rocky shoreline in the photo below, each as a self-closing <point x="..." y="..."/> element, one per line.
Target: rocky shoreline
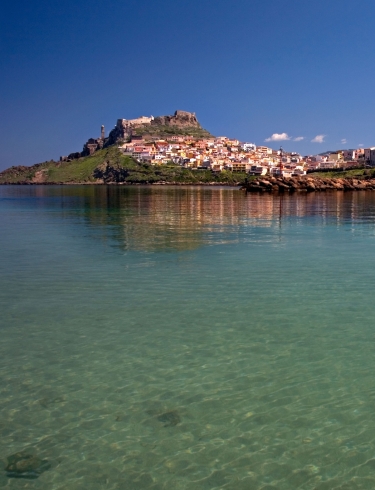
<point x="309" y="184"/>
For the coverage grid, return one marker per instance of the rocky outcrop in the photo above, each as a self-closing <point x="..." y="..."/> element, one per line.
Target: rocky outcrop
<point x="179" y="119"/>
<point x="91" y="146"/>
<point x="308" y="184"/>
<point x="40" y="177"/>
<point x="121" y="132"/>
<point x="109" y="172"/>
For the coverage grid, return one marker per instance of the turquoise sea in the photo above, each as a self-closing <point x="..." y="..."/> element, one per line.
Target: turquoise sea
<point x="184" y="338"/>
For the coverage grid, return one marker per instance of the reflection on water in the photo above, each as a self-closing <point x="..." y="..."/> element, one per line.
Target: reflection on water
<point x="184" y="218"/>
<point x="184" y="338"/>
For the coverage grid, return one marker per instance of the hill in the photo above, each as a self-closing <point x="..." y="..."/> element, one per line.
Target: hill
<point x="108" y="166"/>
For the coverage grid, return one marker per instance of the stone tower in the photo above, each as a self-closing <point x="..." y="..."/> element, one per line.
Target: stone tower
<point x="102" y="133"/>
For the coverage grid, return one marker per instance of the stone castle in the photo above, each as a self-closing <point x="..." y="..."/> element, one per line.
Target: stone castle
<point x="123" y="131"/>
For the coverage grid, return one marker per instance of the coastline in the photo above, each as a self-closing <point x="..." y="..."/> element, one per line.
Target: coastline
<point x="309" y="184"/>
<point x="302" y="184"/>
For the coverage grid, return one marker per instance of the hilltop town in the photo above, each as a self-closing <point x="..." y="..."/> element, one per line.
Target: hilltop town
<point x="176" y="148"/>
<point x="179" y="139"/>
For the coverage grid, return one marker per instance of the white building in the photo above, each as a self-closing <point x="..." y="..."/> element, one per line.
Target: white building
<point x="248" y="147"/>
<point x="369" y="156"/>
<point x="258" y="170"/>
<point x="372" y="157"/>
<point x="349" y="155"/>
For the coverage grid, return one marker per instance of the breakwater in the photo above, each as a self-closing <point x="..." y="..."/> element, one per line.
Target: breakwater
<point x="308" y="184"/>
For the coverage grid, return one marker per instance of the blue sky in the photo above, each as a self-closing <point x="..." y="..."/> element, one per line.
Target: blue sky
<point x="249" y="69"/>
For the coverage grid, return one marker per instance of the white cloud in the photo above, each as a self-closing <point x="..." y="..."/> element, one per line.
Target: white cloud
<point x="278" y="137"/>
<point x="343" y="141"/>
<point x="299" y="138"/>
<point x="361" y="144"/>
<point x="318" y="139"/>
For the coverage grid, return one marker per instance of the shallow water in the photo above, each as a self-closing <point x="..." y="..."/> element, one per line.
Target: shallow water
<point x="184" y="338"/>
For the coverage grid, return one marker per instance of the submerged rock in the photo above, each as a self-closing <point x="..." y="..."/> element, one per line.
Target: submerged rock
<point x="170" y="418"/>
<point x="46" y="402"/>
<point x="24" y="465"/>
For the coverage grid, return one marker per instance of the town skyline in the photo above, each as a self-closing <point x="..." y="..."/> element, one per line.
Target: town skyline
<point x="179" y="139"/>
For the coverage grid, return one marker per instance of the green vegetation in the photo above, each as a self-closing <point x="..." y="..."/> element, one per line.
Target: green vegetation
<point x="80" y="170"/>
<point x="187" y="176"/>
<point x="14" y="175"/>
<point x="111" y="166"/>
<point x="344" y="174"/>
<point x="167" y="131"/>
